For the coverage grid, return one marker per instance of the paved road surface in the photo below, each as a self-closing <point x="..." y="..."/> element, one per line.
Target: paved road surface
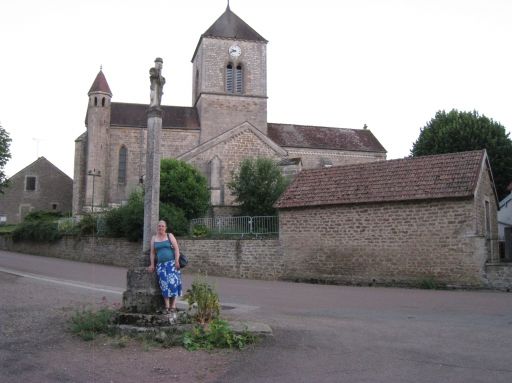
<point x="343" y="334"/>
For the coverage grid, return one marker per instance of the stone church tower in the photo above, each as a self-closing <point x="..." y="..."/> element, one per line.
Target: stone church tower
<point x="230" y="77"/>
<point x="226" y="123"/>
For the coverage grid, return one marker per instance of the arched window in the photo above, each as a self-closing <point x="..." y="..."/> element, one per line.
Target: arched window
<point x="239" y="79"/>
<point x="103" y="101"/>
<point x="121" y="174"/>
<point x="95" y="101"/>
<point x="229" y="78"/>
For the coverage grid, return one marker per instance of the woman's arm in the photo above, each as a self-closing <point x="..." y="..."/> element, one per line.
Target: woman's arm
<point x="176" y="251"/>
<point x="151" y="267"/>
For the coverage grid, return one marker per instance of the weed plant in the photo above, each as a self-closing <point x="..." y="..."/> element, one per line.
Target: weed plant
<point x="203" y="296"/>
<point x="88" y="323"/>
<point x="217" y="334"/>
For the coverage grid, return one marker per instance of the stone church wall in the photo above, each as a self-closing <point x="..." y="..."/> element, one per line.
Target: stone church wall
<point x="231" y="153"/>
<point x="315" y="158"/>
<point x="174" y="143"/>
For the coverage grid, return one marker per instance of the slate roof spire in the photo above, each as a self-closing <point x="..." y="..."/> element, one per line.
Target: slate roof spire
<point x="100" y="85"/>
<point x="230" y="26"/>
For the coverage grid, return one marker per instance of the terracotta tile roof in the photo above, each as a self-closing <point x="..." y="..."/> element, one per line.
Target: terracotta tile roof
<point x="428" y="177"/>
<point x="125" y="114"/>
<point x="100" y="84"/>
<point x="318" y="137"/>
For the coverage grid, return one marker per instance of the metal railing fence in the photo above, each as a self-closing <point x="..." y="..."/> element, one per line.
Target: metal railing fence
<point x="238" y="225"/>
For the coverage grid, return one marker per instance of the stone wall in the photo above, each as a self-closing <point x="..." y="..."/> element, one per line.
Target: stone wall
<point x="386" y="243"/>
<point x="499" y="276"/>
<point x="106" y="251"/>
<point x="315" y="158"/>
<point x="255" y="259"/>
<point x="231" y="152"/>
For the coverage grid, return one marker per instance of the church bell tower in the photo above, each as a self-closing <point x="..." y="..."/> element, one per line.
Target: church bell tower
<point x="230" y="77"/>
<point x="98" y="123"/>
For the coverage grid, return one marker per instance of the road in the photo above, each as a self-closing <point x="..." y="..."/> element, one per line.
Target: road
<point x="335" y="333"/>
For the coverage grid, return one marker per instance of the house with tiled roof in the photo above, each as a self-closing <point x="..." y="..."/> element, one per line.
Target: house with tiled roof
<point x="226" y="123"/>
<point x="392" y="222"/>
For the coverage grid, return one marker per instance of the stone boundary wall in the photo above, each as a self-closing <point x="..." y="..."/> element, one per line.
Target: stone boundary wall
<point x="499" y="276"/>
<point x="254" y="259"/>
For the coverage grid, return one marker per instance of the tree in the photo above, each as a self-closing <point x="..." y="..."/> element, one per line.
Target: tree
<point x="257" y="185"/>
<point x="5" y="155"/>
<point x="462" y="131"/>
<point x="182" y="186"/>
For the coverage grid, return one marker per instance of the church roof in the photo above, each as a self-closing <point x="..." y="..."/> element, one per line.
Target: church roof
<point x="230" y="26"/>
<point x="100" y="84"/>
<point x="134" y="115"/>
<point x="317" y="137"/>
<point x="453" y="175"/>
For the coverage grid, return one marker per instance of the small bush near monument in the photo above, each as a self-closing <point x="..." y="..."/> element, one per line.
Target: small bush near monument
<point x="203" y="297"/>
<point x="218" y="334"/>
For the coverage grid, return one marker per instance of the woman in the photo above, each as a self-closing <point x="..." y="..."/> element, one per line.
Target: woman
<point x="167" y="267"/>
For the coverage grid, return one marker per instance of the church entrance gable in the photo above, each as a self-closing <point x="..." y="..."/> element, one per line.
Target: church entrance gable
<point x="220" y="157"/>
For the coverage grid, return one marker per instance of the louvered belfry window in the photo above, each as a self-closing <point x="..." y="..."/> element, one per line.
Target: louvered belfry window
<point x="121" y="175"/>
<point x="229" y="78"/>
<point x="239" y="79"/>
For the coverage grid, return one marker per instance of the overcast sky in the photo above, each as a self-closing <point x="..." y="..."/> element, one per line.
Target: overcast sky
<point x="390" y="64"/>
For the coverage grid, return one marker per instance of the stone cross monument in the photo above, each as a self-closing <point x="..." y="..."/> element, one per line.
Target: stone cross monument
<point x="143" y="293"/>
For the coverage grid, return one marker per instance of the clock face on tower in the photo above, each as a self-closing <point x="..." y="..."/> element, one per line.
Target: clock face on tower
<point x="234" y="51"/>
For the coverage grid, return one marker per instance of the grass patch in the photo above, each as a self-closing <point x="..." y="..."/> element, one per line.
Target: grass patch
<point x="430" y="283"/>
<point x="88" y="323"/>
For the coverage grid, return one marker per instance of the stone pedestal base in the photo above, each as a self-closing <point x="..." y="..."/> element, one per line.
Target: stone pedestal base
<point x="143" y="294"/>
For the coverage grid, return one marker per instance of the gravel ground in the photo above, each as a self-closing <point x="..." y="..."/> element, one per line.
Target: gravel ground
<point x="36" y="346"/>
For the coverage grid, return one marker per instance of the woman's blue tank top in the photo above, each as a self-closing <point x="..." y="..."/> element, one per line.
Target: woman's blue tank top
<point x="164" y="252"/>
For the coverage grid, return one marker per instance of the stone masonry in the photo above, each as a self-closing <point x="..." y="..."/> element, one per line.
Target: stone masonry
<point x="52" y="191"/>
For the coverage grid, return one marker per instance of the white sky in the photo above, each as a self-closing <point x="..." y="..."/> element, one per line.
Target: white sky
<point x="388" y="63"/>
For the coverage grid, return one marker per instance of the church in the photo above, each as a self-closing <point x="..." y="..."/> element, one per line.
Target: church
<point x="226" y="123"/>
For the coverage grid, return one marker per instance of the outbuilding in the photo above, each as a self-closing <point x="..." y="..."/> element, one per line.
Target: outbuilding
<point x="405" y="221"/>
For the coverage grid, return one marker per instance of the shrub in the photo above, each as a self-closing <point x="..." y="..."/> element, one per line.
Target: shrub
<point x="128" y="221"/>
<point x="184" y="187"/>
<point x="37" y="231"/>
<point x="200" y="231"/>
<point x="205" y="298"/>
<point x="257" y="184"/>
<point x="175" y="219"/>
<point x="217" y="335"/>
<point x="87" y="323"/>
<point x="40" y="215"/>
